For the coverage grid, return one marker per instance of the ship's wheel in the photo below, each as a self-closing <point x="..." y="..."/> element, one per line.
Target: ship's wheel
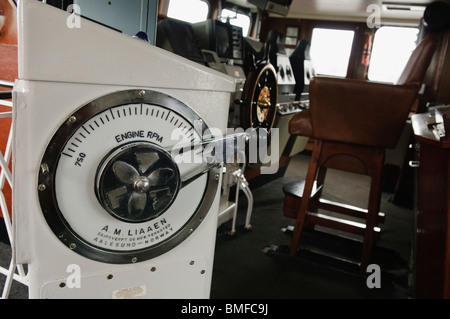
<point x="259" y="98"/>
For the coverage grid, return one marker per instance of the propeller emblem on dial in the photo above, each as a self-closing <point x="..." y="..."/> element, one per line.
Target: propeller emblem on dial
<point x="137" y="183"/>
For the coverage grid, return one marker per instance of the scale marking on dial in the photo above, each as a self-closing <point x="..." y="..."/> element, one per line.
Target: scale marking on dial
<point x="86" y="197"/>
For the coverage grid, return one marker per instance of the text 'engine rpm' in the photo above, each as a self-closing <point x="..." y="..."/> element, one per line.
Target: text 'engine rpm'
<point x="114" y="185"/>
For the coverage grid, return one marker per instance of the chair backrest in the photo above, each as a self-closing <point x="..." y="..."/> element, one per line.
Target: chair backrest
<point x="417" y="65"/>
<point x="364" y="112"/>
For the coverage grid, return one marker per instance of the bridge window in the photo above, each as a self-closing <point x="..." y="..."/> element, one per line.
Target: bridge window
<point x="330" y="51"/>
<point x="237" y="19"/>
<point x="188" y="10"/>
<point x="392" y="47"/>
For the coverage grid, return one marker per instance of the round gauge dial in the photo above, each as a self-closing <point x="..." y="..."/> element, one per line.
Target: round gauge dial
<point x="109" y="186"/>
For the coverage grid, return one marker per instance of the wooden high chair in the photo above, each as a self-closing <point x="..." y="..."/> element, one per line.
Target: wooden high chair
<point x="352" y="122"/>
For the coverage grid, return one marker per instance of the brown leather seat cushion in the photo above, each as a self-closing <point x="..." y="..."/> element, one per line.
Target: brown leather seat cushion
<point x="300" y="124"/>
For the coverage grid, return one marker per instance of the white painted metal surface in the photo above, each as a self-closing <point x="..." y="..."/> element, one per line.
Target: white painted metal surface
<point x="60" y="70"/>
<point x="14" y="271"/>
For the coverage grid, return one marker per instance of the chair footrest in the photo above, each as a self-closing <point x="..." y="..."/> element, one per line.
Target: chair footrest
<point x="293" y="196"/>
<point x="346" y="209"/>
<point x="345" y="225"/>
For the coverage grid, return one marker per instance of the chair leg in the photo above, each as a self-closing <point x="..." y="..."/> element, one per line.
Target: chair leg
<point x="372" y="211"/>
<point x="303" y="210"/>
<point x="320" y="180"/>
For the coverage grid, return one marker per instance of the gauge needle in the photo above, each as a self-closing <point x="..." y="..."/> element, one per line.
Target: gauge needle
<point x="214" y="151"/>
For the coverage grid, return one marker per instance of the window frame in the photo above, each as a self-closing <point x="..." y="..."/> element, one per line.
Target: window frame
<point x="350" y="52"/>
<point x="394" y="77"/>
<point x="239" y="12"/>
<point x="167" y="7"/>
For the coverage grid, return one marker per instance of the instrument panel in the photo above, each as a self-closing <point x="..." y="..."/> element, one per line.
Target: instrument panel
<point x="124" y="182"/>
